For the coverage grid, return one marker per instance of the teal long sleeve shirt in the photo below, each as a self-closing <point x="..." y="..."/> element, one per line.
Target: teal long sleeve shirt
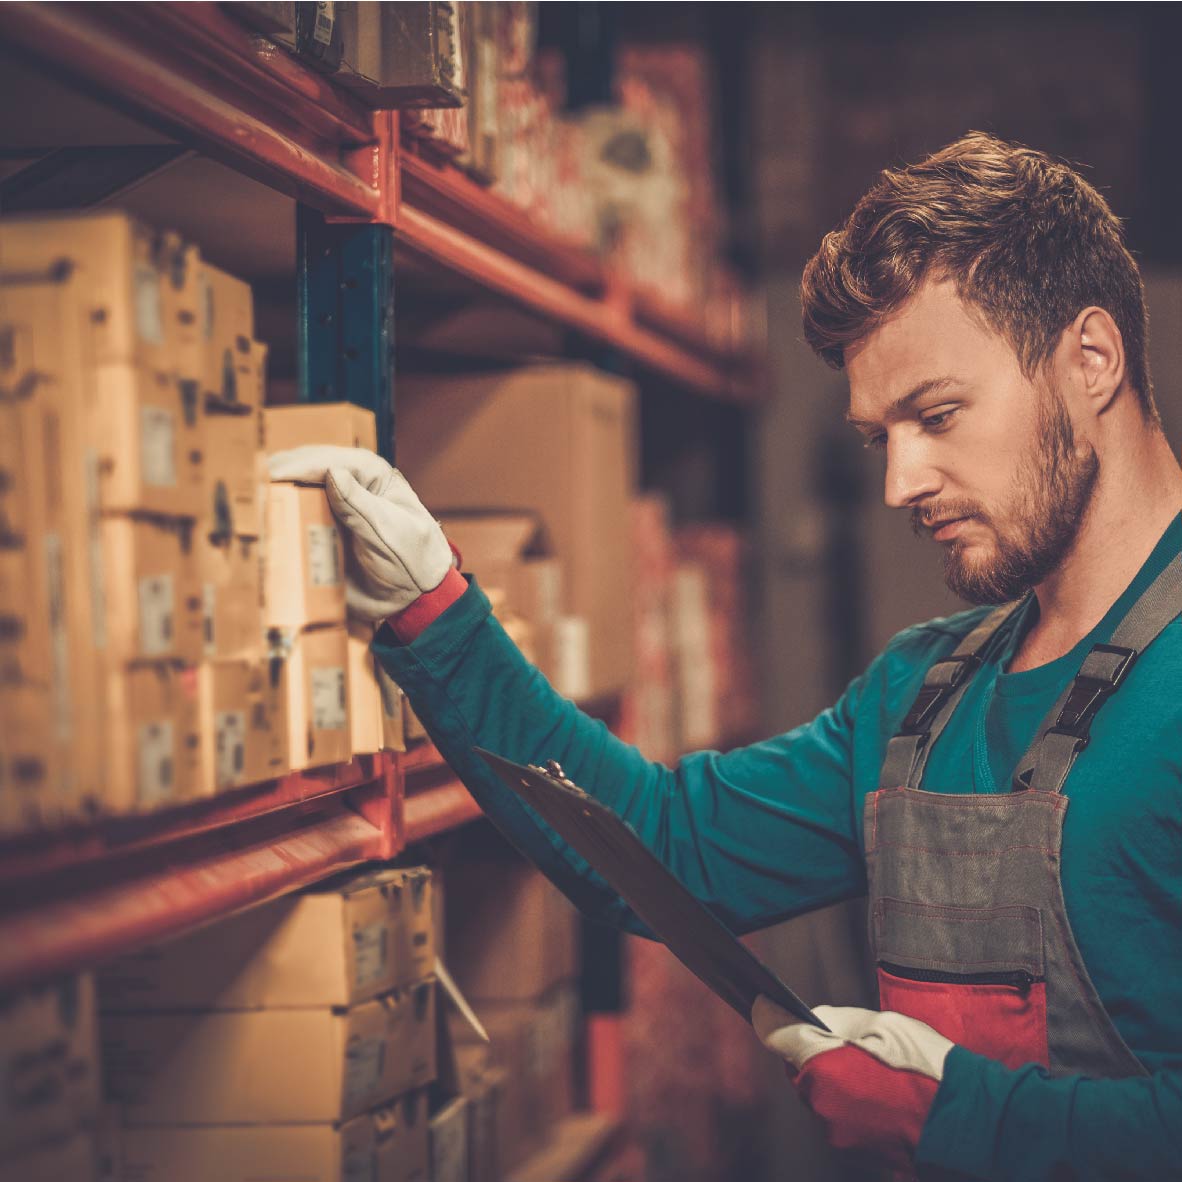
<point x="772" y="830"/>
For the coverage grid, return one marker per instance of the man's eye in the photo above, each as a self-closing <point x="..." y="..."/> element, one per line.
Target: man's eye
<point x="874" y="442"/>
<point x="940" y="420"/>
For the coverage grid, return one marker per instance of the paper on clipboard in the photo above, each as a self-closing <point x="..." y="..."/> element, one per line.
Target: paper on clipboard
<point x="691" y="932"/>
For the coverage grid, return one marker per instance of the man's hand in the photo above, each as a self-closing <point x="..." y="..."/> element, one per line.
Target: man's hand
<point x="398" y="551"/>
<point x="871" y="1077"/>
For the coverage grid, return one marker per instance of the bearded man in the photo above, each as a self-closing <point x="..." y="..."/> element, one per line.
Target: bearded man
<point x="1005" y="784"/>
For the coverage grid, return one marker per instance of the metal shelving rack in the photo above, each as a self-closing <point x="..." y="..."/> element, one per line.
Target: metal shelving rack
<point x="77" y="896"/>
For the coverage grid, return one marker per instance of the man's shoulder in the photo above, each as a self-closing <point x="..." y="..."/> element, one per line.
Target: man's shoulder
<point x="911" y="651"/>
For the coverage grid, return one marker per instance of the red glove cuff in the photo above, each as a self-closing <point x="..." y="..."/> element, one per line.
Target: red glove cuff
<point x="412" y="622"/>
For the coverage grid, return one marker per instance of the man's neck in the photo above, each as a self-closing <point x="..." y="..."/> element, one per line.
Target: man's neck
<point x="1134" y="503"/>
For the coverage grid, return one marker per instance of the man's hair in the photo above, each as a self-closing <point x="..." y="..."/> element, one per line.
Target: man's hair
<point x="1027" y="241"/>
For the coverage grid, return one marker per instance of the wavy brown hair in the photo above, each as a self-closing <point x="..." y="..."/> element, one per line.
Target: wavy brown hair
<point x="1028" y="242"/>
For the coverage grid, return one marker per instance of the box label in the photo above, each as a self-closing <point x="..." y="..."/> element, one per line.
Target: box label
<point x="325" y="18"/>
<point x="158" y="446"/>
<point x="324" y="556"/>
<point x="149" y="318"/>
<point x="229" y="747"/>
<point x="154" y="743"/>
<point x="365" y="1059"/>
<point x="370" y="953"/>
<point x="329" y="712"/>
<point x="156" y="611"/>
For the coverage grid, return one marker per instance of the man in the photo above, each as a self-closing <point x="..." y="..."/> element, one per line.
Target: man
<point x="1018" y="827"/>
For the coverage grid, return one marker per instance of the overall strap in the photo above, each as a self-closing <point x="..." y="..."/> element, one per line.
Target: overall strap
<point x="944" y="685"/>
<point x="1065" y="731"/>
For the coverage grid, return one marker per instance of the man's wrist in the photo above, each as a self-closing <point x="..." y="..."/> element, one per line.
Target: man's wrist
<point x="410" y="623"/>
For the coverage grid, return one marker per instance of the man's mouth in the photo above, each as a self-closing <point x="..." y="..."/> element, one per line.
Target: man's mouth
<point x="946" y="528"/>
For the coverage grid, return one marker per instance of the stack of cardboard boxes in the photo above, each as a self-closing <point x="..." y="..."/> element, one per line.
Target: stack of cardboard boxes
<point x="49" y="1098"/>
<point x="296" y="1039"/>
<point x="514" y="953"/>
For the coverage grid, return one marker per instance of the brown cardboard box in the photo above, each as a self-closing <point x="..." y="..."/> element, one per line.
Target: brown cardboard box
<point x="230" y="572"/>
<point x="73" y="1160"/>
<point x="557" y="440"/>
<point x="315" y="693"/>
<point x="449" y="1142"/>
<point x="511" y="934"/>
<point x="510" y="552"/>
<point x="275" y="1066"/>
<point x="119" y="268"/>
<point x="389" y="1144"/>
<point x="339" y="944"/>
<point x="49" y="1063"/>
<point x="232" y="480"/>
<point x="393" y="722"/>
<point x="231" y="367"/>
<point x="365" y="700"/>
<point x="154" y="739"/>
<point x="29" y="757"/>
<point x="340" y="424"/>
<point x="304" y="580"/>
<point x="154" y="603"/>
<point x="148" y="438"/>
<point x="242" y="735"/>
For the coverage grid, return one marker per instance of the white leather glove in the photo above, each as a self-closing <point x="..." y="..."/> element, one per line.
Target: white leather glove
<point x="397" y="550"/>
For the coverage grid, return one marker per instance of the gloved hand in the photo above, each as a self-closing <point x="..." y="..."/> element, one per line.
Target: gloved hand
<point x="397" y="550"/>
<point x="871" y="1077"/>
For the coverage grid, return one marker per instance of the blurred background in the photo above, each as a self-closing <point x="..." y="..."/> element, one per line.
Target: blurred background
<point x="564" y="239"/>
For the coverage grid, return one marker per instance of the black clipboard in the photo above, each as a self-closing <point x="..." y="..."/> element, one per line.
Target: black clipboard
<point x="697" y="937"/>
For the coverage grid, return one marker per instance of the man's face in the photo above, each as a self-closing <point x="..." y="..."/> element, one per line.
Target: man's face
<point x="985" y="459"/>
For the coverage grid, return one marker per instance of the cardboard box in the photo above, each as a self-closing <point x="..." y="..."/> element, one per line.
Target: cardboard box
<point x="449" y="1142"/>
<point x="230" y="376"/>
<point x="511" y="934"/>
<point x="148" y="439"/>
<point x="557" y="440"/>
<point x="48" y="1063"/>
<point x="365" y="699"/>
<point x="339" y="424"/>
<point x="241" y="728"/>
<point x="73" y="1160"/>
<point x="275" y="1066"/>
<point x="119" y="268"/>
<point x="389" y="1144"/>
<point x="154" y="738"/>
<point x="29" y="758"/>
<point x="269" y="16"/>
<point x="393" y="709"/>
<point x="315" y="693"/>
<point x="230" y="574"/>
<point x="510" y="552"/>
<point x="304" y="582"/>
<point x="154" y="603"/>
<point x="233" y="474"/>
<point x="339" y="944"/>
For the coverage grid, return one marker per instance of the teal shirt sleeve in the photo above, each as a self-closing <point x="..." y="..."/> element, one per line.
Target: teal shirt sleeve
<point x="991" y="1122"/>
<point x="758" y="834"/>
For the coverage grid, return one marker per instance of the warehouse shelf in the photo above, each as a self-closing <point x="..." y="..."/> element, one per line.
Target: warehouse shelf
<point x="191" y="72"/>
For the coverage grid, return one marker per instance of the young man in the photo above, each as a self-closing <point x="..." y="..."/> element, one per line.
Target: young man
<point x="1006" y="784"/>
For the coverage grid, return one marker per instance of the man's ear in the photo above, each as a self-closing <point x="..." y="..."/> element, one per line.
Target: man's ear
<point x="1096" y="352"/>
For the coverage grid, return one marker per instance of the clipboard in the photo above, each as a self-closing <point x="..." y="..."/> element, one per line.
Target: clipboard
<point x="697" y="937"/>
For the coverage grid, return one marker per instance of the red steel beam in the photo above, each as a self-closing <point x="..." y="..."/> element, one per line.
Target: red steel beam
<point x="219" y="874"/>
<point x="427" y="812"/>
<point x="78" y="39"/>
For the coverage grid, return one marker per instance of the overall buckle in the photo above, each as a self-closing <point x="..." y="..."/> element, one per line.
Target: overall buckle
<point x="939" y="683"/>
<point x="1103" y="670"/>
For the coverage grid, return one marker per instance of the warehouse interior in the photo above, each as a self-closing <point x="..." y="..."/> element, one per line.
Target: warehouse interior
<point x="560" y="290"/>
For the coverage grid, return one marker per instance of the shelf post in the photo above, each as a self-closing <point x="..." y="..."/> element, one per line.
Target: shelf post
<point x="346" y="317"/>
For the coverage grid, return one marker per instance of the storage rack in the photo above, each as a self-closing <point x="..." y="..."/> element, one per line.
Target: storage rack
<point x="88" y="892"/>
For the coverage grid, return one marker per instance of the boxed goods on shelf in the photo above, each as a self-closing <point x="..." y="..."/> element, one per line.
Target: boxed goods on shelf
<point x="230" y="575"/>
<point x="29" y="758"/>
<point x="272" y="1065"/>
<point x="304" y="580"/>
<point x="242" y="724"/>
<point x="337" y="424"/>
<point x="233" y="475"/>
<point x="388" y="1144"/>
<point x="338" y="944"/>
<point x="365" y="698"/>
<point x="314" y="694"/>
<point x="556" y="440"/>
<point x="228" y="361"/>
<point x="49" y="1062"/>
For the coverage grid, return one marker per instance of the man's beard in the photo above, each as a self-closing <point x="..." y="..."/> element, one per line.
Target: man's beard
<point x="1052" y="491"/>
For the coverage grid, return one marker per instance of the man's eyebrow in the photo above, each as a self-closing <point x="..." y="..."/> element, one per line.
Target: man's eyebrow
<point x="931" y="385"/>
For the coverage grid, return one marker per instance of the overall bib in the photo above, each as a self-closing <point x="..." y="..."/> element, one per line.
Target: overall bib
<point x="968" y="927"/>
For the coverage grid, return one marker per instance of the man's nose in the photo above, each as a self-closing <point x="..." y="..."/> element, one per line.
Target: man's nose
<point x="910" y="477"/>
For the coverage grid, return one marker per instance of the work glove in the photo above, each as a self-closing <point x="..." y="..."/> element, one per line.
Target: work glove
<point x="871" y="1077"/>
<point x="397" y="550"/>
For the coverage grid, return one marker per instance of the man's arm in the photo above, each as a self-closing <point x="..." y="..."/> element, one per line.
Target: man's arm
<point x="759" y="834"/>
